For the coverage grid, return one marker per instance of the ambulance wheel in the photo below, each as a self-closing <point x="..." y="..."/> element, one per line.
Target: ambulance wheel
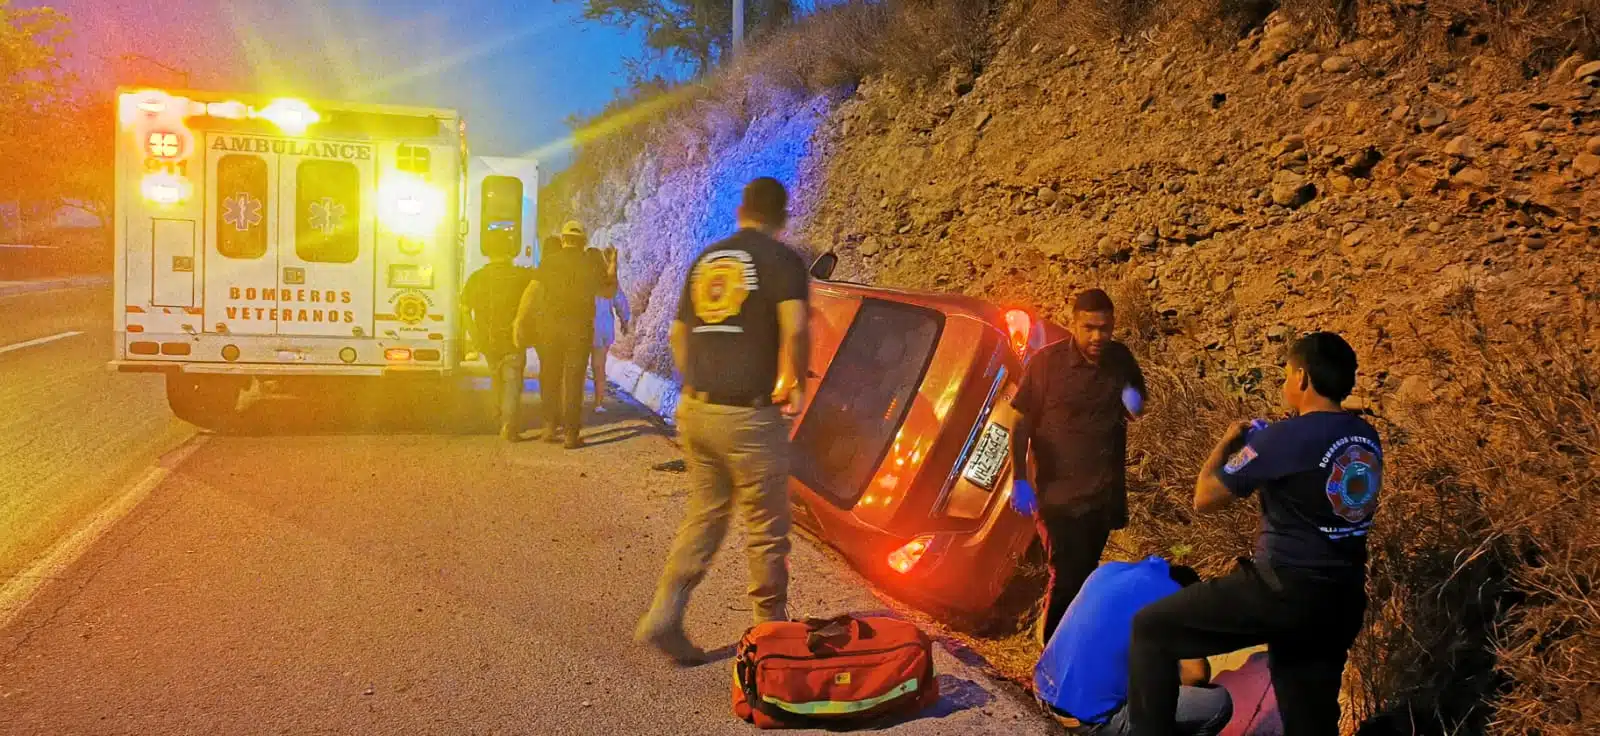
<point x="208" y="402"/>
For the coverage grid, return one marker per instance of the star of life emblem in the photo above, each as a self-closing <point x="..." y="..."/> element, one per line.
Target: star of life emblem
<point x="242" y="211"/>
<point x="327" y="215"/>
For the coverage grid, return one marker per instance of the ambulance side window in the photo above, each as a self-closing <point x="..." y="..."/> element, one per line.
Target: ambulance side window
<point x="500" y="216"/>
<point x="241" y="206"/>
<point x="327" y="221"/>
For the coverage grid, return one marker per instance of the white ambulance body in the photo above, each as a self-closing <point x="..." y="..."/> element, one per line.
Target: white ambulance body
<point x="276" y="238"/>
<point x="502" y="197"/>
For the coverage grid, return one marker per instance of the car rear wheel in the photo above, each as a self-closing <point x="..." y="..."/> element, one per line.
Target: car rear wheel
<point x="208" y="402"/>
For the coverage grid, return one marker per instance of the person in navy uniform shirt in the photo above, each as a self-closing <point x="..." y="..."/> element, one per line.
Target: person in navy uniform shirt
<point x="1317" y="477"/>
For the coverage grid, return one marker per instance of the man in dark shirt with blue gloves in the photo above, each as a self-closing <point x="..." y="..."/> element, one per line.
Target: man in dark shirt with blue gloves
<point x="1304" y="594"/>
<point x="1073" y="407"/>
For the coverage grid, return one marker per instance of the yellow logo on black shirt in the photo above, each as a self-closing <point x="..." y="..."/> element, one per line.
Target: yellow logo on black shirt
<point x="721" y="283"/>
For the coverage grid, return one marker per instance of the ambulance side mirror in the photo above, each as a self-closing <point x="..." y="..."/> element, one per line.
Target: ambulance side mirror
<point x="822" y="268"/>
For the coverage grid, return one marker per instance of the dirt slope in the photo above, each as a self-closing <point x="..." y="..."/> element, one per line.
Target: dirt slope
<point x="1442" y="213"/>
<point x="1251" y="199"/>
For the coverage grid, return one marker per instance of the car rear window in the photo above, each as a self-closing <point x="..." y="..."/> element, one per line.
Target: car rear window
<point x="857" y="410"/>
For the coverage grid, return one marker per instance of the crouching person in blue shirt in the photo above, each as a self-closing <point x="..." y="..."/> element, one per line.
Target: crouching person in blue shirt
<point x="1083" y="675"/>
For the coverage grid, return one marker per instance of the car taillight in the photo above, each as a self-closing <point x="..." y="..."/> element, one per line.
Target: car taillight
<point x="905" y="558"/>
<point x="1020" y="327"/>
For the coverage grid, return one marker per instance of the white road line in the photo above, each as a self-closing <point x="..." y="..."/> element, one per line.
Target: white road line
<point x="40" y="341"/>
<point x="19" y="591"/>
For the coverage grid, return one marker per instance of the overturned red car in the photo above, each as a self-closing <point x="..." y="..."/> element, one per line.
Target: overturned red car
<point x="902" y="456"/>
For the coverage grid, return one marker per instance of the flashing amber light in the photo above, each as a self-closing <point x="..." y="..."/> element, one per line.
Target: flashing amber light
<point x="905" y="558"/>
<point x="291" y="116"/>
<point x="227" y="110"/>
<point x="397" y="354"/>
<point x="1020" y="326"/>
<point x="145" y="104"/>
<point x="164" y="189"/>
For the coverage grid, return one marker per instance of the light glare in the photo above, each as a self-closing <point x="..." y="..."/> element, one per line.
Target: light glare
<point x="291" y="116"/>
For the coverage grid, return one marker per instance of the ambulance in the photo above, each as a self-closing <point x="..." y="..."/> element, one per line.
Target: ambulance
<point x="272" y="240"/>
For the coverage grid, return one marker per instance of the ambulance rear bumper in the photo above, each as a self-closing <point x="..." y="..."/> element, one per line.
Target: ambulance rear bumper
<point x="269" y="369"/>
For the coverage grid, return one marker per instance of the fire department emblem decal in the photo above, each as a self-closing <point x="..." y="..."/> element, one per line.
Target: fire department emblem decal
<point x="1353" y="484"/>
<point x="242" y="211"/>
<point x="721" y="285"/>
<point x="327" y="215"/>
<point x="411" y="308"/>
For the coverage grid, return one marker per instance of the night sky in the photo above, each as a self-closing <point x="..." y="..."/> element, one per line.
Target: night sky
<point x="516" y="69"/>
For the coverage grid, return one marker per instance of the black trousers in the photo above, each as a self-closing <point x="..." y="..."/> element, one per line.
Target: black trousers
<point x="563" y="364"/>
<point x="1307" y="620"/>
<point x="1072" y="546"/>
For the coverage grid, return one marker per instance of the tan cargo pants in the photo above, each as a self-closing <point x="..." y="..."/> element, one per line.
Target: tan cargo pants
<point x="735" y="455"/>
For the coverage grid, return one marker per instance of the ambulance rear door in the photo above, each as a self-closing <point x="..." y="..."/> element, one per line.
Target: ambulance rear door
<point x="240" y="267"/>
<point x="327" y="235"/>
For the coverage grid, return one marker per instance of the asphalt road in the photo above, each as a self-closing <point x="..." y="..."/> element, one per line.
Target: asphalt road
<point x="71" y="432"/>
<point x="366" y="569"/>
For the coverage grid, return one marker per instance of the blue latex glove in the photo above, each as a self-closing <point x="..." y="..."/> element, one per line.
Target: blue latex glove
<point x="1132" y="400"/>
<point x="1023" y="498"/>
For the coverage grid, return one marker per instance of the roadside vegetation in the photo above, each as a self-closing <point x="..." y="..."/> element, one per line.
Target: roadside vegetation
<point x="55" y="148"/>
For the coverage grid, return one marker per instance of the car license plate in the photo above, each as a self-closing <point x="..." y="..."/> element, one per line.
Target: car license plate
<point x="988" y="457"/>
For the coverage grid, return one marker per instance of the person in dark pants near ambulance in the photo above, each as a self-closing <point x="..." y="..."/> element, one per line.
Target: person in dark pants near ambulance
<point x="490" y="299"/>
<point x="1317" y="475"/>
<point x="1075" y="401"/>
<point x="572" y="276"/>
<point x="740" y="342"/>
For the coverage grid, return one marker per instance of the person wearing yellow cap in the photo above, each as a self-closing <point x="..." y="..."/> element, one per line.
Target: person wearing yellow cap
<point x="572" y="277"/>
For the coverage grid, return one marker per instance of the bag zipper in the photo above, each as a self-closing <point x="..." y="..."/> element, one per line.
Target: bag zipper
<point x="759" y="657"/>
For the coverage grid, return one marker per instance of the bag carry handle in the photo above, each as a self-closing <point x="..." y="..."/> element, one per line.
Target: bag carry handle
<point x="831" y="632"/>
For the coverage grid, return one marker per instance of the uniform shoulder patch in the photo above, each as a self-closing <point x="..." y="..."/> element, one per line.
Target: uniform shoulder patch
<point x="1240" y="459"/>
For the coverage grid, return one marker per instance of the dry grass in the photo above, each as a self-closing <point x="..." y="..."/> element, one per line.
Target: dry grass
<point x="1487" y="550"/>
<point x="911" y="40"/>
<point x="1486" y="570"/>
<point x="1484" y="614"/>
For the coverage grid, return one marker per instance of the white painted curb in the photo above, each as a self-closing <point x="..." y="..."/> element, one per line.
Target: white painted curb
<point x="659" y="394"/>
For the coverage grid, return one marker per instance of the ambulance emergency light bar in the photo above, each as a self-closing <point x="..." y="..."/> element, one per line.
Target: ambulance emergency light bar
<point x="290" y="115"/>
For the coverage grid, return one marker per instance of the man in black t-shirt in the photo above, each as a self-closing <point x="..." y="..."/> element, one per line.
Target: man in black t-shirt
<point x="1074" y="419"/>
<point x="1317" y="476"/>
<point x="571" y="277"/>
<point x="741" y="345"/>
<point x="490" y="300"/>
